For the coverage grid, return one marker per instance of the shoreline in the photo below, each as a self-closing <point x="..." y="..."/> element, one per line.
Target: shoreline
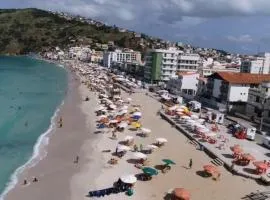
<point x="52" y="137"/>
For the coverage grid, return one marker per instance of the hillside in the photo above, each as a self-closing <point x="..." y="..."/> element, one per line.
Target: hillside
<point x="33" y="30"/>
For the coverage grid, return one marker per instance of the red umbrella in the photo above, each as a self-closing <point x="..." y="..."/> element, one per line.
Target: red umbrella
<point x="236" y="149"/>
<point x="248" y="156"/>
<point x="181" y="194"/>
<point x="211" y="169"/>
<point x="261" y="165"/>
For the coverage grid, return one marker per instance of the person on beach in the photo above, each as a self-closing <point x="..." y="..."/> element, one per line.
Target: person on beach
<point x="190" y="163"/>
<point x="135" y="147"/>
<point x="76" y="159"/>
<point x="141" y="147"/>
<point x="35" y="179"/>
<point x="24" y="182"/>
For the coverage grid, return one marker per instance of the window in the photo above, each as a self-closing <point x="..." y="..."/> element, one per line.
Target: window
<point x="257" y="99"/>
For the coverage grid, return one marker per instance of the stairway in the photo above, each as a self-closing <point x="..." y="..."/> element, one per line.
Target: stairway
<point x="217" y="162"/>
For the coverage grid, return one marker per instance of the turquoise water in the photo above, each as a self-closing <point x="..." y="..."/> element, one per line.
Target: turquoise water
<point x="30" y="92"/>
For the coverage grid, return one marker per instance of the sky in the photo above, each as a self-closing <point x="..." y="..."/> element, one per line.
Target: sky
<point x="240" y="26"/>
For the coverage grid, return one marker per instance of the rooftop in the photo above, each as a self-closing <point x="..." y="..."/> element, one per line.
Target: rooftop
<point x="241" y="78"/>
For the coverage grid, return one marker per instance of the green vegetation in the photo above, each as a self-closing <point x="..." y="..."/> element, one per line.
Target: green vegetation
<point x="33" y="30"/>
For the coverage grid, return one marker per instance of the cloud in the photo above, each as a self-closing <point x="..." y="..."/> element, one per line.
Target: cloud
<point x="242" y="38"/>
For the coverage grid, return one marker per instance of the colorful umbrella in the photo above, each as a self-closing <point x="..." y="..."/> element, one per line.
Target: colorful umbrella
<point x="150" y="171"/>
<point x="260" y="164"/>
<point x="211" y="169"/>
<point x="168" y="162"/>
<point x="181" y="193"/>
<point x="248" y="156"/>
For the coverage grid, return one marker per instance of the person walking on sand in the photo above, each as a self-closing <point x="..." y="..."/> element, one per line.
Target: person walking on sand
<point x="190" y="163"/>
<point x="24" y="182"/>
<point x="76" y="159"/>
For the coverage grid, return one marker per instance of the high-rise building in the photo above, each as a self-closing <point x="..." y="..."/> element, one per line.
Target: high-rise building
<point x="256" y="65"/>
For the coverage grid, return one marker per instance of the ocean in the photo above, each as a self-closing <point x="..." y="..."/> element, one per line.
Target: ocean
<point x="31" y="91"/>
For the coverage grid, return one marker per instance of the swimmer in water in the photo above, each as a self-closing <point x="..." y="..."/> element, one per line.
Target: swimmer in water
<point x="26" y="123"/>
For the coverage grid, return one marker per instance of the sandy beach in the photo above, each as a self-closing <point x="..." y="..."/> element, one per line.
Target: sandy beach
<point x="60" y="178"/>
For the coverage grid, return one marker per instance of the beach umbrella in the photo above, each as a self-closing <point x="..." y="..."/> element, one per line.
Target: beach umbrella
<point x="102" y="117"/>
<point x="146" y="130"/>
<point x="168" y="162"/>
<point x="112" y="106"/>
<point x="128" y="138"/>
<point x="139" y="114"/>
<point x="179" y="109"/>
<point x="210" y="169"/>
<point x="161" y="140"/>
<point x="150" y="171"/>
<point x="114" y="121"/>
<point x="123" y="125"/>
<point x="194" y="117"/>
<point x="185" y="117"/>
<point x="139" y="155"/>
<point x="123" y="148"/>
<point x="201" y="121"/>
<point x="200" y="126"/>
<point x="129" y="179"/>
<point x="236" y="149"/>
<point x="125" y="107"/>
<point x="151" y="146"/>
<point x="129" y="99"/>
<point x="122" y="112"/>
<point x="248" y="156"/>
<point x="181" y="194"/>
<point x="261" y="164"/>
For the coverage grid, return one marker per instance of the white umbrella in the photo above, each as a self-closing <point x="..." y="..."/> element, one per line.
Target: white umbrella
<point x="194" y="117"/>
<point x="122" y="112"/>
<point x="139" y="155"/>
<point x="137" y="114"/>
<point x="123" y="148"/>
<point x="146" y="130"/>
<point x="128" y="138"/>
<point x="204" y="130"/>
<point x="185" y="117"/>
<point x="112" y="106"/>
<point x="114" y="121"/>
<point x="120" y="100"/>
<point x="123" y="125"/>
<point x="201" y="121"/>
<point x="200" y="126"/>
<point x="102" y="117"/>
<point x="161" y="140"/>
<point x="129" y="179"/>
<point x="129" y="99"/>
<point x="179" y="110"/>
<point x="151" y="146"/>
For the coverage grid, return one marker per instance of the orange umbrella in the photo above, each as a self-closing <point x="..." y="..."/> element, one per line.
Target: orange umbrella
<point x="248" y="156"/>
<point x="181" y="194"/>
<point x="211" y="169"/>
<point x="261" y="165"/>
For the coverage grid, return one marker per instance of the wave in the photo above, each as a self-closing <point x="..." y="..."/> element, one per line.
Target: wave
<point x="42" y="141"/>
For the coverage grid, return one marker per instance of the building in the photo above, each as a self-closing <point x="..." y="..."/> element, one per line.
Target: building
<point x="162" y="64"/>
<point x="256" y="65"/>
<point x="118" y="56"/>
<point x="185" y="85"/>
<point x="188" y="62"/>
<point x="258" y="103"/>
<point x="232" y="89"/>
<point x="96" y="56"/>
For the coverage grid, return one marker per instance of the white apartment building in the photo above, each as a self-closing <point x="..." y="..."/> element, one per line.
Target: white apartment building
<point x="256" y="65"/>
<point x="186" y="84"/>
<point x="188" y="62"/>
<point x="162" y="64"/>
<point x="119" y="56"/>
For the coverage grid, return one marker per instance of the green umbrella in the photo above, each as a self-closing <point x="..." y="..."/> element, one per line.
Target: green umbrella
<point x="150" y="171"/>
<point x="168" y="162"/>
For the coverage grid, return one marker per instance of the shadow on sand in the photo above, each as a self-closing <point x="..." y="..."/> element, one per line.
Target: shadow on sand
<point x="249" y="170"/>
